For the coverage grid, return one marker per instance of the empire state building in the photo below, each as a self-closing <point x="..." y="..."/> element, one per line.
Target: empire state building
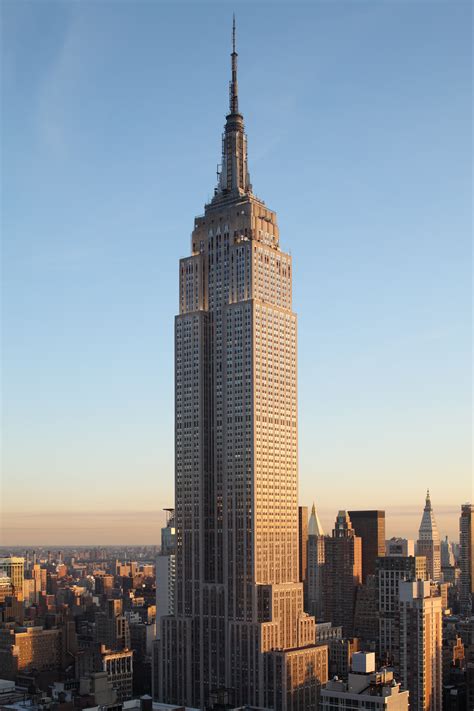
<point x="239" y="623"/>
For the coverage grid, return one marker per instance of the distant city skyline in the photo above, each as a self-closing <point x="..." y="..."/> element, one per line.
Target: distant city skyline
<point x="365" y="153"/>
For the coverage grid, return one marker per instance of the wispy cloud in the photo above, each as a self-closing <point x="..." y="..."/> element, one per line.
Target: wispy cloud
<point x="59" y="85"/>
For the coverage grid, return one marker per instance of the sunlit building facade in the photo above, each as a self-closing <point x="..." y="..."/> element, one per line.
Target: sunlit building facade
<point x="14" y="569"/>
<point x="239" y="622"/>
<point x="391" y="571"/>
<point x="421" y="639"/>
<point x="23" y="649"/>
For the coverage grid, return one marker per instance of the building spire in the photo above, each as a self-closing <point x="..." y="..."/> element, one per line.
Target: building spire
<point x="233" y="87"/>
<point x="233" y="175"/>
<point x="429" y="541"/>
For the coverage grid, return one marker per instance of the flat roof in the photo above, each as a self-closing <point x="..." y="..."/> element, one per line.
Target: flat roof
<point x="6" y="684"/>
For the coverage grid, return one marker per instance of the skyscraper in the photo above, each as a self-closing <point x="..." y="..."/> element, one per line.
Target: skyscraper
<point x="14" y="568"/>
<point x="315" y="566"/>
<point x="447" y="554"/>
<point x="370" y="526"/>
<point x="421" y="635"/>
<point x="450" y="573"/>
<point x="466" y="558"/>
<point x="429" y="543"/>
<point x="239" y="622"/>
<point x="342" y="574"/>
<point x="391" y="571"/>
<point x="165" y="589"/>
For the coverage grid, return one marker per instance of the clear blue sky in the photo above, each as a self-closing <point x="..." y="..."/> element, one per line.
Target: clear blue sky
<point x="358" y="116"/>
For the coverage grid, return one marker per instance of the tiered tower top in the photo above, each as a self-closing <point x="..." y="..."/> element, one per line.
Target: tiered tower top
<point x="233" y="175"/>
<point x="428" y="529"/>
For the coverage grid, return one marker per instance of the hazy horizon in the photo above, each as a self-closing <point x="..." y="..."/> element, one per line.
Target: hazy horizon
<point x="142" y="527"/>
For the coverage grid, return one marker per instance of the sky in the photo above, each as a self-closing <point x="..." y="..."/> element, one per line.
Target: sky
<point x="358" y="117"/>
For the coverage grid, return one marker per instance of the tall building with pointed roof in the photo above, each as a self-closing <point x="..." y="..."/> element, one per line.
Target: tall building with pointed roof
<point x="429" y="543"/>
<point x="314" y="524"/>
<point x="239" y="625"/>
<point x="315" y="566"/>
